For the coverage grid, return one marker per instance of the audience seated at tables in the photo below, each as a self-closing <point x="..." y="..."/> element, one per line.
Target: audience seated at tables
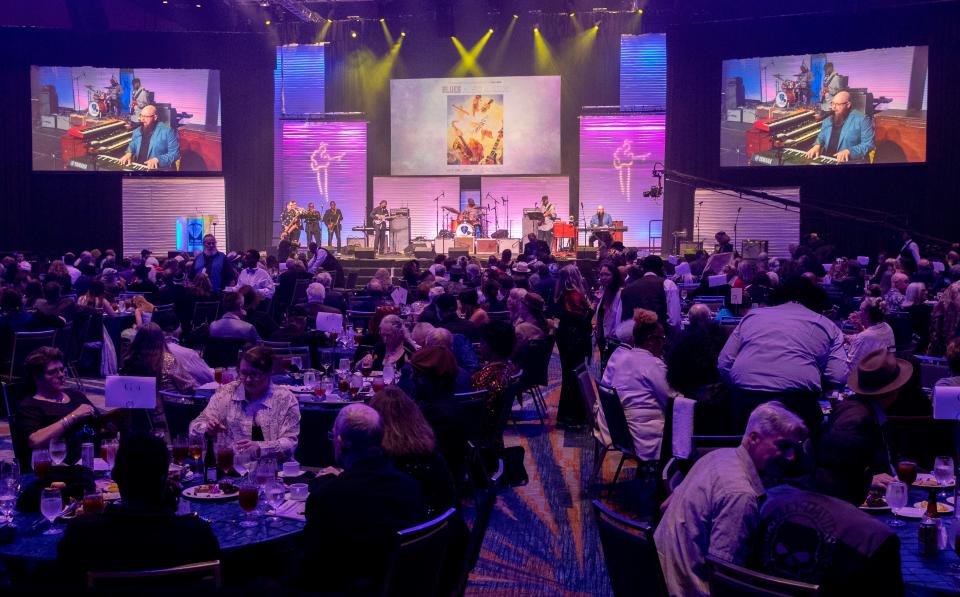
<point x="12" y="319"/>
<point x="782" y="353"/>
<point x="286" y="283"/>
<point x="953" y="361"/>
<point x="173" y="289"/>
<point x="652" y="291"/>
<point x="254" y="276"/>
<point x="231" y="324"/>
<point x="316" y="303"/>
<point x="916" y="305"/>
<point x="294" y="330"/>
<point x="143" y="531"/>
<point x="715" y="510"/>
<point x="447" y="317"/>
<point x="639" y="375"/>
<point x="443" y="338"/>
<point x="433" y="373"/>
<point x="856" y="432"/>
<point x="53" y="411"/>
<point x="333" y="298"/>
<point x="95" y="298"/>
<point x="354" y="515"/>
<point x="945" y="318"/>
<point x="143" y="283"/>
<point x="876" y="335"/>
<point x="608" y="310"/>
<point x="530" y="324"/>
<point x="252" y="412"/>
<point x="491" y="293"/>
<point x="692" y="371"/>
<point x="393" y="348"/>
<point x="187" y="359"/>
<point x="259" y="318"/>
<point x="410" y="444"/>
<point x="897" y="294"/>
<point x="469" y="307"/>
<point x="57" y="272"/>
<point x="497" y="340"/>
<point x="53" y="311"/>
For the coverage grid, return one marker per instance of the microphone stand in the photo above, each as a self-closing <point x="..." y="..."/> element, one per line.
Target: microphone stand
<point x="735" y="222"/>
<point x="437" y="209"/>
<point x="583" y="221"/>
<point x="700" y="205"/>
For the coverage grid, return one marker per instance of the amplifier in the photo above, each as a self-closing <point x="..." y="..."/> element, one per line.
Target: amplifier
<point x="48" y="120"/>
<point x="688" y="247"/>
<point x="457" y="253"/>
<point x="464" y="242"/>
<point x="63" y="122"/>
<point x="442" y="244"/>
<point x="355" y="241"/>
<point x="361" y="253"/>
<point x="418" y="245"/>
<point x="509" y="243"/>
<point x="751" y="249"/>
<point x="487" y="245"/>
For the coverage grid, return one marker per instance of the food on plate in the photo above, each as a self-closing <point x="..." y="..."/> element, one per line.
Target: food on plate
<point x="876" y="498"/>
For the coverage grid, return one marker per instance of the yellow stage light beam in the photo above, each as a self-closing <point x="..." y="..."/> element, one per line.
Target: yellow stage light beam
<point x="500" y="53"/>
<point x="323" y="30"/>
<point x="386" y="32"/>
<point x="468" y="63"/>
<point x="543" y="61"/>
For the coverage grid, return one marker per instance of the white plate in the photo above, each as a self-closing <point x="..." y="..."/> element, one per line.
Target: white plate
<point x="914" y="513"/>
<point x="283" y="475"/>
<point x="876" y="509"/>
<point x="108" y="488"/>
<point x="942" y="508"/>
<point x="291" y="497"/>
<point x="195" y="493"/>
<point x="928" y="481"/>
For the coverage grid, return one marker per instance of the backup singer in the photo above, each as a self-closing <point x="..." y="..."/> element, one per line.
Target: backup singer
<point x="290" y="223"/>
<point x="379" y="220"/>
<point x="311" y="219"/>
<point x="549" y="210"/>
<point x="333" y="220"/>
<point x="601" y="218"/>
<point x="847" y="135"/>
<point x="154" y="144"/>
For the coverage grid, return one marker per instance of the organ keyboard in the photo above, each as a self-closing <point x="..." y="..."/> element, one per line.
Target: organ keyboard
<point x="82" y="143"/>
<point x="610" y="229"/>
<point x="798" y="129"/>
<point x="789" y="157"/>
<point x="106" y="162"/>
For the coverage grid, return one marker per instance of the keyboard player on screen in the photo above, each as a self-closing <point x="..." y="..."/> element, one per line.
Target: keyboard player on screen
<point x="846" y="135"/>
<point x="601" y="218"/>
<point x="154" y="144"/>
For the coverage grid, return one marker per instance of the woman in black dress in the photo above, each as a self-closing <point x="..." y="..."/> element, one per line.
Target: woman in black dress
<point x="574" y="342"/>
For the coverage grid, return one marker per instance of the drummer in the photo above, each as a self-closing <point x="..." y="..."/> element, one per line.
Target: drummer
<point x="471" y="215"/>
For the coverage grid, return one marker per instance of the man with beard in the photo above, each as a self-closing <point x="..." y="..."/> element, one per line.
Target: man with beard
<point x="847" y="135"/>
<point x="154" y="144"/>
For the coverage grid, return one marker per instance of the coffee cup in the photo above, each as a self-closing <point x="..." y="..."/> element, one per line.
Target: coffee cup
<point x="291" y="469"/>
<point x="299" y="491"/>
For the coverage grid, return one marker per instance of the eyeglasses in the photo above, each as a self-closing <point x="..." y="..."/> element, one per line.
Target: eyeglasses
<point x="251" y="374"/>
<point x="839" y="103"/>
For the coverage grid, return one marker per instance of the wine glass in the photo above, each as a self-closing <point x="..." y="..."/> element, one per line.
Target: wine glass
<point x="943" y="471"/>
<point x="266" y="471"/>
<point x="249" y="496"/>
<point x="296" y="362"/>
<point x="275" y="492"/>
<point x="907" y="471"/>
<point x="226" y="456"/>
<point x="8" y="501"/>
<point x="108" y="451"/>
<point x="58" y="451"/>
<point x="896" y="499"/>
<point x="51" y="503"/>
<point x="388" y="372"/>
<point x="181" y="449"/>
<point x="40" y="461"/>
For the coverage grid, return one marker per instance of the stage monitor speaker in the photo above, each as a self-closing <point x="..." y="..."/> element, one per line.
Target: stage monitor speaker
<point x="458" y="253"/>
<point x="586" y="253"/>
<point x="464" y="242"/>
<point x="424" y="253"/>
<point x="509" y="243"/>
<point x="442" y="244"/>
<point x="751" y="249"/>
<point x="418" y="245"/>
<point x="487" y="245"/>
<point x="361" y="253"/>
<point x="689" y="247"/>
<point x="500" y="234"/>
<point x="734" y="97"/>
<point x="48" y="100"/>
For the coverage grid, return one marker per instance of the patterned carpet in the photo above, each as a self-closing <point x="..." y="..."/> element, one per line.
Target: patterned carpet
<point x="541" y="539"/>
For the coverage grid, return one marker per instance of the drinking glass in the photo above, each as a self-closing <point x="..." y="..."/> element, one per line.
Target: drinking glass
<point x="275" y="493"/>
<point x="92" y="502"/>
<point x="108" y="451"/>
<point x="58" y="451"/>
<point x="344" y="367"/>
<point x="896" y="499"/>
<point x="10" y="473"/>
<point x="309" y="379"/>
<point x="41" y="463"/>
<point x="51" y="503"/>
<point x="8" y="501"/>
<point x="266" y="471"/>
<point x="388" y="372"/>
<point x="225" y="457"/>
<point x="320" y="390"/>
<point x="943" y="471"/>
<point x="181" y="449"/>
<point x="356" y="383"/>
<point x="907" y="471"/>
<point x="249" y="496"/>
<point x="296" y="362"/>
<point x="218" y="375"/>
<point x="378" y="384"/>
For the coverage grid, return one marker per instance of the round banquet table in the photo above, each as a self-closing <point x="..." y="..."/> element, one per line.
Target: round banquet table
<point x="925" y="575"/>
<point x="32" y="553"/>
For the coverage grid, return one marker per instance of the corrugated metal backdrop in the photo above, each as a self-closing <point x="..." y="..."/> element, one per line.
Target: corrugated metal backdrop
<point x="525" y="191"/>
<point x="643" y="69"/>
<point x="759" y="219"/>
<point x="151" y="207"/>
<point x="417" y="193"/>
<point x="298" y="81"/>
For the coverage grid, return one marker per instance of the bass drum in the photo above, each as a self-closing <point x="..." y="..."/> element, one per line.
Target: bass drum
<point x="464" y="229"/>
<point x="781" y="101"/>
<point x="95" y="109"/>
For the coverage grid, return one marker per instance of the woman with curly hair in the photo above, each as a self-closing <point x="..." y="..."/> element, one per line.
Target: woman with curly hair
<point x="574" y="342"/>
<point x="639" y="375"/>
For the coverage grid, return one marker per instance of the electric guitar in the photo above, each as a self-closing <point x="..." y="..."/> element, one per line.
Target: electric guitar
<point x="549" y="217"/>
<point x="492" y="156"/>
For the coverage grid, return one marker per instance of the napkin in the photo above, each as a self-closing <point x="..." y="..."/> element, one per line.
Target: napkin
<point x="683" y="427"/>
<point x="293" y="510"/>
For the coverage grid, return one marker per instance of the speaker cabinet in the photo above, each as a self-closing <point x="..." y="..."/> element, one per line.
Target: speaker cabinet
<point x="509" y="243"/>
<point x="361" y="253"/>
<point x="442" y="244"/>
<point x="464" y="242"/>
<point x="487" y="245"/>
<point x="458" y="253"/>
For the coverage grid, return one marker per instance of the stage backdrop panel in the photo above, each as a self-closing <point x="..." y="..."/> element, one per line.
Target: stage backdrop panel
<point x="299" y="79"/>
<point x="759" y="219"/>
<point x="318" y="162"/>
<point x="417" y="193"/>
<point x="617" y="155"/>
<point x="643" y="70"/>
<point x="525" y="191"/>
<point x="151" y="207"/>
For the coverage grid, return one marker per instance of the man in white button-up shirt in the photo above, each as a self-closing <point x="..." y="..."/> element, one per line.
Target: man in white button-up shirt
<point x="254" y="276"/>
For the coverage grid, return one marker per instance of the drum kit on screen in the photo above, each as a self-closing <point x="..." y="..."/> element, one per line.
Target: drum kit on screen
<point x="792" y="92"/>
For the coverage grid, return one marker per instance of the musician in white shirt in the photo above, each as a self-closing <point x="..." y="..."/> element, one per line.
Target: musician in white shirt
<point x="549" y="216"/>
<point x="254" y="276"/>
<point x="379" y="218"/>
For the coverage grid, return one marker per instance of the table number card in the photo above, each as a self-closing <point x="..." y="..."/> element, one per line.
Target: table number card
<point x="127" y="391"/>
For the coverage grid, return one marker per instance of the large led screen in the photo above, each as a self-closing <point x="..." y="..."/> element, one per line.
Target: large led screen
<point x="865" y="107"/>
<point x="482" y="125"/>
<point x="122" y="119"/>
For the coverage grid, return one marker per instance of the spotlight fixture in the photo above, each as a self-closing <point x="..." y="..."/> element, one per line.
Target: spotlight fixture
<point x="572" y="14"/>
<point x="353" y="34"/>
<point x="490" y="30"/>
<point x="516" y="16"/>
<point x="382" y="20"/>
<point x="199" y="6"/>
<point x="640" y="11"/>
<point x="267" y="22"/>
<point x="403" y="34"/>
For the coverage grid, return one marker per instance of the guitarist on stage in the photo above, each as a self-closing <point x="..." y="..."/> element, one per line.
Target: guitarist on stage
<point x="333" y="220"/>
<point x="549" y="217"/>
<point x="379" y="221"/>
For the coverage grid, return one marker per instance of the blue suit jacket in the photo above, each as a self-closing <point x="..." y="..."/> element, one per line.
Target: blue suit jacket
<point x="164" y="145"/>
<point x="855" y="135"/>
<point x="607" y="220"/>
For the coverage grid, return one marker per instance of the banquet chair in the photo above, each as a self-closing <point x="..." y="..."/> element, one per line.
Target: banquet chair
<point x="359" y="319"/>
<point x="222" y="352"/>
<point x="315" y="448"/>
<point x="23" y="344"/>
<point x="162" y="308"/>
<point x="13" y="393"/>
<point x="588" y="393"/>
<point x="273" y="345"/>
<point x="189" y="575"/>
<point x="204" y="312"/>
<point x="351" y="281"/>
<point x="417" y="560"/>
<point x="282" y="356"/>
<point x="499" y="316"/>
<point x="299" y="293"/>
<point x="620" y="437"/>
<point x="932" y="369"/>
<point x="535" y="362"/>
<point x="180" y="410"/>
<point x="630" y="554"/>
<point x="730" y="580"/>
<point x="485" y="490"/>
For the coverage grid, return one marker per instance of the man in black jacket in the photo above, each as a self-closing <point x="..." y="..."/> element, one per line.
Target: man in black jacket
<point x="353" y="516"/>
<point x="145" y="518"/>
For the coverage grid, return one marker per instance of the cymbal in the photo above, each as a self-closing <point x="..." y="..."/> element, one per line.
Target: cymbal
<point x="779" y="76"/>
<point x="450" y="209"/>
